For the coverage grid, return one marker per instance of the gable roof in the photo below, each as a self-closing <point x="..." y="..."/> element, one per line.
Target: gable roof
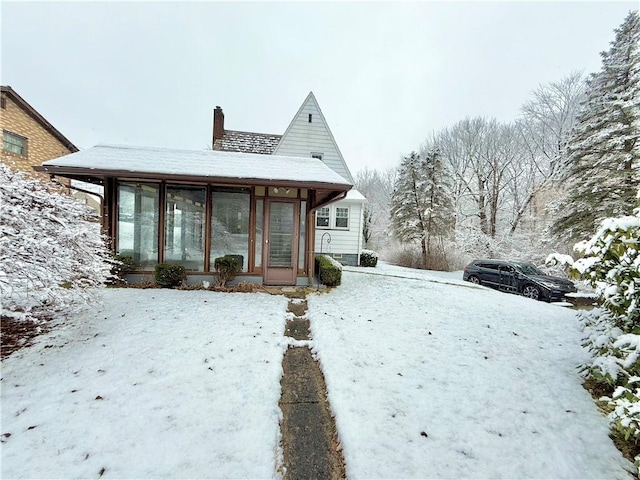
<point x="300" y="120"/>
<point x="248" y="142"/>
<point x="203" y="165"/>
<point x="29" y="110"/>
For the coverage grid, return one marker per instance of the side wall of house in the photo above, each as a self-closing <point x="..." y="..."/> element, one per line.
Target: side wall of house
<point x="41" y="145"/>
<point x="304" y="138"/>
<point x="345" y="245"/>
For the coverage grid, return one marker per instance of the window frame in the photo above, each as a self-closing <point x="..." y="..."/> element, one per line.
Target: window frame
<point x="328" y="217"/>
<point x="336" y="217"/>
<point x="20" y="138"/>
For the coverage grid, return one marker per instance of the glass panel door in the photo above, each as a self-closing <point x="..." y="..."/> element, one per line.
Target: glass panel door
<point x="281" y="235"/>
<point x="280" y="266"/>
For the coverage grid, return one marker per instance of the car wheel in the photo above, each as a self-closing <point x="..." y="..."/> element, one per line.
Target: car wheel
<point x="474" y="279"/>
<point x="532" y="292"/>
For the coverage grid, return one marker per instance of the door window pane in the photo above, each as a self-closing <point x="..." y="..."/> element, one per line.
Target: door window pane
<point x="138" y="216"/>
<point x="230" y="224"/>
<point x="184" y="227"/>
<point x="303" y="228"/>
<point x="259" y="227"/>
<point x="280" y="234"/>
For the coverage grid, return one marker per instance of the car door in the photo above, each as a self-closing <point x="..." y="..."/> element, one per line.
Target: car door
<point x="507" y="278"/>
<point x="489" y="274"/>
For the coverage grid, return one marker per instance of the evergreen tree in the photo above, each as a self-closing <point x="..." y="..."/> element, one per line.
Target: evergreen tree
<point x="603" y="151"/>
<point x="421" y="205"/>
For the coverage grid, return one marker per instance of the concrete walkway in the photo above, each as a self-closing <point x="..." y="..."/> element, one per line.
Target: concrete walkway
<point x="309" y="437"/>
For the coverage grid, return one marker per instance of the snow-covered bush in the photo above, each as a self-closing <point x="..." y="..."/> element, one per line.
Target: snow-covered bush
<point x="368" y="258"/>
<point x="169" y="274"/>
<point x="51" y="251"/>
<point x="329" y="270"/>
<point x="611" y="263"/>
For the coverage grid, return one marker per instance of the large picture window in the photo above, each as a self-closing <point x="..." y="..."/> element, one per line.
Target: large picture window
<point x="138" y="223"/>
<point x="185" y="227"/>
<point x="230" y="224"/>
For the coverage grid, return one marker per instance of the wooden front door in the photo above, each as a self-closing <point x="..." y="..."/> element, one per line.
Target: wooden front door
<point x="281" y="239"/>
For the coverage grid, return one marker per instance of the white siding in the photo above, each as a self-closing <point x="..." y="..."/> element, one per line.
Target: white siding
<point x="342" y="241"/>
<point x="303" y="138"/>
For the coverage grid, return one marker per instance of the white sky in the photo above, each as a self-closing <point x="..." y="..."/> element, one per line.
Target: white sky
<point x="385" y="74"/>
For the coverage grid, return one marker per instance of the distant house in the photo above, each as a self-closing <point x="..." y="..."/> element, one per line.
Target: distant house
<point x="190" y="207"/>
<point x="338" y="226"/>
<point x="28" y="139"/>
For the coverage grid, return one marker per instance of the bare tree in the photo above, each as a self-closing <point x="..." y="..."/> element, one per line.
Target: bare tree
<point x="545" y="125"/>
<point x="377" y="187"/>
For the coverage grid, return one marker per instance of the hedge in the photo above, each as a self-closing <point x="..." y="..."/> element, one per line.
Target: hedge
<point x="169" y="274"/>
<point x="329" y="271"/>
<point x="368" y="258"/>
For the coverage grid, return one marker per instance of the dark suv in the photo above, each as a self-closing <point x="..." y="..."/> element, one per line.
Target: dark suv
<point x="518" y="277"/>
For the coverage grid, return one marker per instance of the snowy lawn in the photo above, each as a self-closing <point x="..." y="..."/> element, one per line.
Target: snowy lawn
<point x="442" y="379"/>
<point x="155" y="384"/>
<point x="429" y="377"/>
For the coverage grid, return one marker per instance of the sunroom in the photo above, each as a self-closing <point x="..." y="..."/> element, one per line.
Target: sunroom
<point x="191" y="207"/>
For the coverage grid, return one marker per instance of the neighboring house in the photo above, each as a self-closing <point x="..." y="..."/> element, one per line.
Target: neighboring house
<point x="190" y="207"/>
<point x="339" y="225"/>
<point x="28" y="139"/>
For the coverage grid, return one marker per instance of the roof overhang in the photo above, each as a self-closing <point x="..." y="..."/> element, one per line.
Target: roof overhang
<point x="100" y="163"/>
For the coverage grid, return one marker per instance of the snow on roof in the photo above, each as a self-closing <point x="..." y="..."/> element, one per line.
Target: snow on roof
<point x="354" y="194"/>
<point x="199" y="163"/>
<point x="248" y="142"/>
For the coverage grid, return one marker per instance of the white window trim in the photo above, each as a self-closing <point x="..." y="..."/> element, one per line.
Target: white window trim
<point x="321" y="227"/>
<point x="332" y="219"/>
<point x="335" y="218"/>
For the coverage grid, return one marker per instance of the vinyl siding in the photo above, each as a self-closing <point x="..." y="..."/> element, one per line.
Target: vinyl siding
<point x="342" y="241"/>
<point x="303" y="138"/>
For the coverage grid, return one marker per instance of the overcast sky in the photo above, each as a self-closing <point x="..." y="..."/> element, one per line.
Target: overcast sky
<point x="385" y="74"/>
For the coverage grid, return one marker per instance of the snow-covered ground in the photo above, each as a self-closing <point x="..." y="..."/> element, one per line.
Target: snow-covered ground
<point x="428" y="376"/>
<point x="156" y="384"/>
<point x="429" y="379"/>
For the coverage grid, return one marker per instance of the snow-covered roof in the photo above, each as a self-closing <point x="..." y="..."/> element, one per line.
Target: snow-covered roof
<point x="248" y="142"/>
<point x="151" y="162"/>
<point x="355" y="195"/>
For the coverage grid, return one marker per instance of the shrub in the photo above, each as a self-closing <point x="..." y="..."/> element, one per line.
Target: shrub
<point x="169" y="274"/>
<point x="226" y="268"/>
<point x="329" y="271"/>
<point x="368" y="258"/>
<point x="122" y="264"/>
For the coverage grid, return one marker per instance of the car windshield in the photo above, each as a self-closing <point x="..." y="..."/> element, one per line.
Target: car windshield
<point x="528" y="269"/>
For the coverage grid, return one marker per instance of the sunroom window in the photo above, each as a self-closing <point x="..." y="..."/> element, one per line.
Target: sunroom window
<point x="185" y="227"/>
<point x="230" y="224"/>
<point x="138" y="223"/>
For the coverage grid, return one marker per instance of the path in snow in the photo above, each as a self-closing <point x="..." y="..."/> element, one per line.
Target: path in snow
<point x="309" y="437"/>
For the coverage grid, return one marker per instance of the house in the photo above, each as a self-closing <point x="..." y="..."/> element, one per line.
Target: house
<point x="338" y="225"/>
<point x="190" y="207"/>
<point x="28" y="139"/>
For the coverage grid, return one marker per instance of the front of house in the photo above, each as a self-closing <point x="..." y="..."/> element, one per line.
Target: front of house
<point x="190" y="207"/>
<point x="339" y="225"/>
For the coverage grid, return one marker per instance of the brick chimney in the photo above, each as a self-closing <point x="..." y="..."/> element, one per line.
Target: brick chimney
<point x="218" y="125"/>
